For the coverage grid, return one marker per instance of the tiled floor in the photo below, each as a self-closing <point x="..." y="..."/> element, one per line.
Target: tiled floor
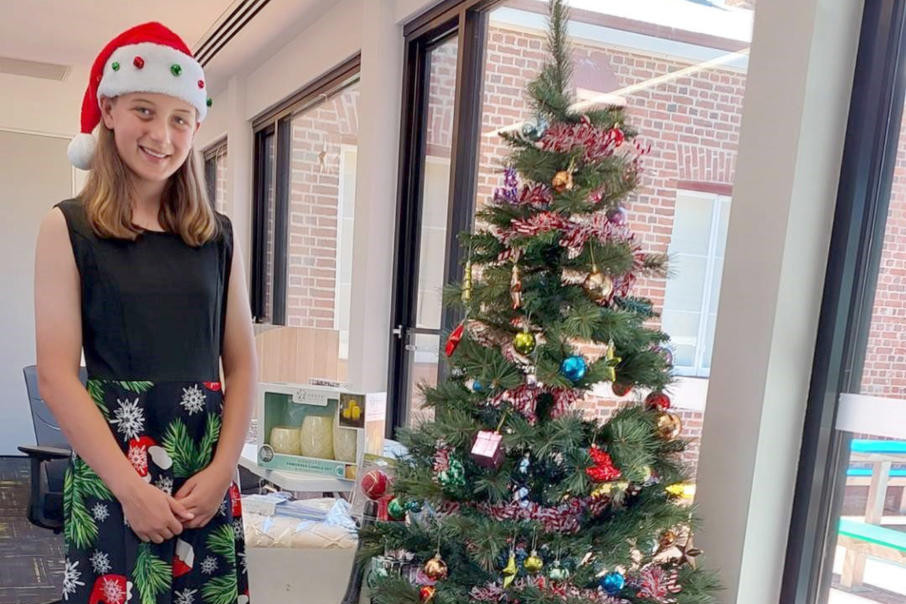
<point x="31" y="558"/>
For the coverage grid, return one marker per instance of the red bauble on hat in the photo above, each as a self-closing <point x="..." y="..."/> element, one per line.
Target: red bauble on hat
<point x="145" y="58"/>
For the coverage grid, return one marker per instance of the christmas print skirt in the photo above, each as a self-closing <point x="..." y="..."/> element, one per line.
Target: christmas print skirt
<point x="169" y="432"/>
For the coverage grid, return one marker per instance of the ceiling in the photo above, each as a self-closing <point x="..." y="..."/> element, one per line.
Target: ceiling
<point x="71" y="33"/>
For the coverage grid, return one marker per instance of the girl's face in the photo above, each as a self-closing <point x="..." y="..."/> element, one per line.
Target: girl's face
<point x="153" y="132"/>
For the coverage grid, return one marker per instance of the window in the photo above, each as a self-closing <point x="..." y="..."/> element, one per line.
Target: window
<point x="696" y="254"/>
<point x="215" y="173"/>
<point x="681" y="74"/>
<point x="846" y="535"/>
<point x="303" y="225"/>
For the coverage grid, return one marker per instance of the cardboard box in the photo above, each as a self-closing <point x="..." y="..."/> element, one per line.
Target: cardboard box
<point x="317" y="428"/>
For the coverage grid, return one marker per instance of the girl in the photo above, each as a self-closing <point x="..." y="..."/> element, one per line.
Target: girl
<point x="142" y="273"/>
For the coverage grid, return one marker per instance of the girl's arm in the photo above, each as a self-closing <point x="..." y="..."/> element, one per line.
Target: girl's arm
<point x="58" y="338"/>
<point x="240" y="368"/>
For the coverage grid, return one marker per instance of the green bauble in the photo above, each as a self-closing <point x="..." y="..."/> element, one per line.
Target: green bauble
<point x="395" y="509"/>
<point x="524" y="342"/>
<point x="454" y="477"/>
<point x="558" y="573"/>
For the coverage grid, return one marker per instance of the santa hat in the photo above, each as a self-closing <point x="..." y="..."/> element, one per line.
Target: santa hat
<point x="145" y="58"/>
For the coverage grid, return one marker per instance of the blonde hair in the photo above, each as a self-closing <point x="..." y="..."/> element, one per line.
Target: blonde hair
<point x="107" y="195"/>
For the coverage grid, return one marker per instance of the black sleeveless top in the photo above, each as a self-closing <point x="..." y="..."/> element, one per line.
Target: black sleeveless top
<point x="154" y="308"/>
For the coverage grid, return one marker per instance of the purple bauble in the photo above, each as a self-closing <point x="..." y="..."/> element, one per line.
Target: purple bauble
<point x="617" y="216"/>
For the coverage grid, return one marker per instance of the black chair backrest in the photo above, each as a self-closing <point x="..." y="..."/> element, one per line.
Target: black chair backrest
<point x="47" y="430"/>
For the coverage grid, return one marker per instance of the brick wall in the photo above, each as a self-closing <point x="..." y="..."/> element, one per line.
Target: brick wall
<point x="884" y="371"/>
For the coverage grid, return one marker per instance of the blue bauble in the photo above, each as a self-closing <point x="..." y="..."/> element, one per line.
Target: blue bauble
<point x="573" y="368"/>
<point x="476" y="386"/>
<point x="613" y="583"/>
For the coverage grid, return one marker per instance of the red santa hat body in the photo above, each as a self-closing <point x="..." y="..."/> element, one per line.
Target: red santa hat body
<point x="145" y="58"/>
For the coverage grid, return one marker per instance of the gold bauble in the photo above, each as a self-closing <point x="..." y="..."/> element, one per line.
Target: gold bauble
<point x="533" y="563"/>
<point x="667" y="539"/>
<point x="599" y="284"/>
<point x="669" y="426"/>
<point x="524" y="342"/>
<point x="563" y="181"/>
<point x="436" y="568"/>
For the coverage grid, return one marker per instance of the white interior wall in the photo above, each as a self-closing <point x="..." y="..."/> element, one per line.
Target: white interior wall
<point x="34" y="174"/>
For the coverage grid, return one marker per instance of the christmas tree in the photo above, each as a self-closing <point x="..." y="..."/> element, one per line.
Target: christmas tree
<point x="511" y="494"/>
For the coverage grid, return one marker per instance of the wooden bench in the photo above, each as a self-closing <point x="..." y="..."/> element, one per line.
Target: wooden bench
<point x="868" y="538"/>
<point x="862" y="540"/>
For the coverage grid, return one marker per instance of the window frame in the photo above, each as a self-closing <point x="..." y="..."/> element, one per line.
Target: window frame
<point x="466" y="20"/>
<point x="866" y="177"/>
<point x="716" y="196"/>
<point x="276" y="121"/>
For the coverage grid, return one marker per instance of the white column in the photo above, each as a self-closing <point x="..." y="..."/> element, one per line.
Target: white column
<point x="794" y="118"/>
<point x="375" y="204"/>
<point x="240" y="159"/>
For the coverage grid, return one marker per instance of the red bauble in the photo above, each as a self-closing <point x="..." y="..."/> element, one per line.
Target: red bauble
<point x="657" y="401"/>
<point x="426" y="593"/>
<point x="215" y="386"/>
<point x="453" y="340"/>
<point x="374" y="484"/>
<point x="621" y="388"/>
<point x="618" y="137"/>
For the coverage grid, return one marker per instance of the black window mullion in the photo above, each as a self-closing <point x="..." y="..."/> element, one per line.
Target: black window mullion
<point x="855" y="251"/>
<point x="281" y="217"/>
<point x="259" y="225"/>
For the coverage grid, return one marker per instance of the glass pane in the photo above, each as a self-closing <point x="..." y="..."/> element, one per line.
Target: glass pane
<point x="436" y="184"/>
<point x="685" y="291"/>
<point x="423" y="359"/>
<point x="680" y="71"/>
<point x="320" y="224"/>
<point x="692" y="224"/>
<point x="868" y="561"/>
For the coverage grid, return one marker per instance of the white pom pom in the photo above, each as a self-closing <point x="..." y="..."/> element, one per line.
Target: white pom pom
<point x="81" y="151"/>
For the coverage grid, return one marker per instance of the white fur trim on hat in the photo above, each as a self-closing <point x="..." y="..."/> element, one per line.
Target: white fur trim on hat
<point x="81" y="150"/>
<point x="155" y="75"/>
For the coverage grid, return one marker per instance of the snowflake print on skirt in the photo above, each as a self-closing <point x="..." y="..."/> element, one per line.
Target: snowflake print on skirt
<point x="193" y="400"/>
<point x="71" y="581"/>
<point x="129" y="418"/>
<point x="209" y="565"/>
<point x="100" y="512"/>
<point x="100" y="562"/>
<point x="165" y="484"/>
<point x="186" y="596"/>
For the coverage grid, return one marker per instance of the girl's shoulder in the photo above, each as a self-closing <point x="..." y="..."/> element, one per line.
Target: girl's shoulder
<point x="74" y="213"/>
<point x="225" y="228"/>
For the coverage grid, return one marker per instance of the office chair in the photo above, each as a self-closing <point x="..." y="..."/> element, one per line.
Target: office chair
<point x="49" y="459"/>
